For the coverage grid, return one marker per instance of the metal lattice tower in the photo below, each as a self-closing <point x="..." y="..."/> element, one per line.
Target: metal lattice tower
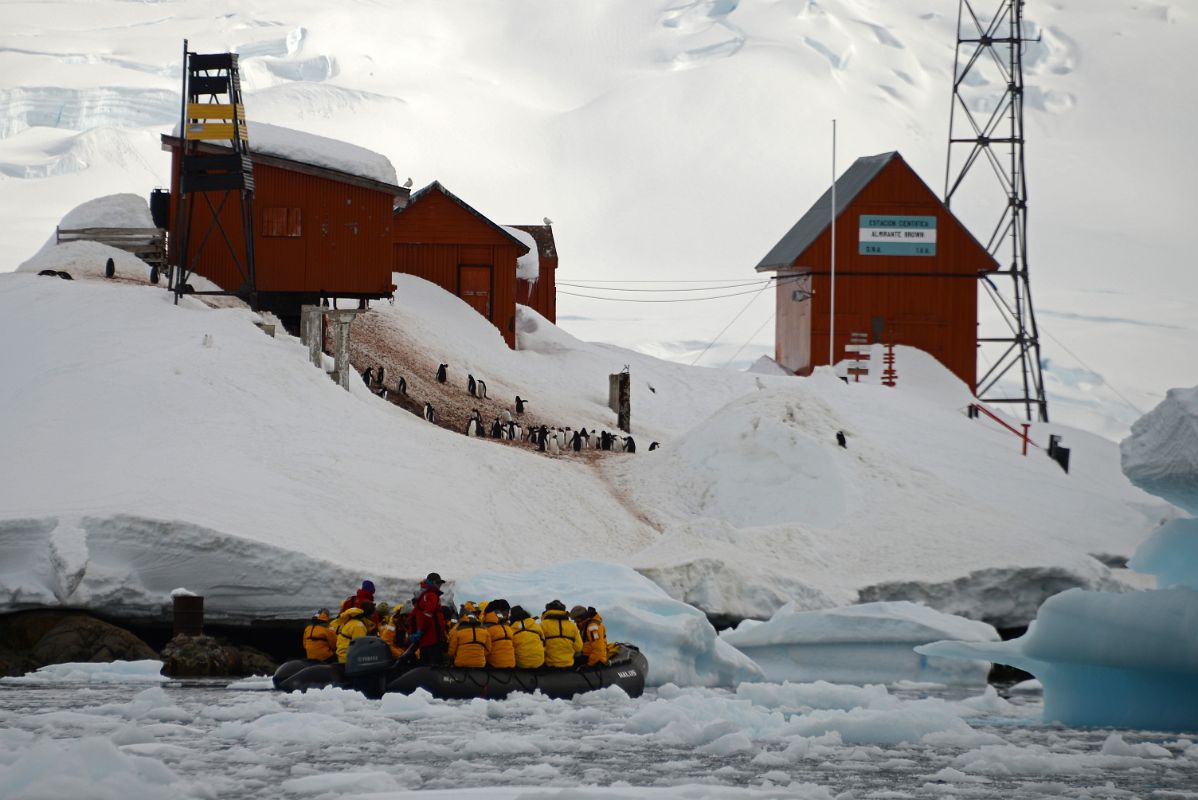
<point x="214" y="176"/>
<point x="986" y="124"/>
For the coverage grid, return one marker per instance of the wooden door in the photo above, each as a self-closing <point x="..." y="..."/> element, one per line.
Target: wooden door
<point x="474" y="286"/>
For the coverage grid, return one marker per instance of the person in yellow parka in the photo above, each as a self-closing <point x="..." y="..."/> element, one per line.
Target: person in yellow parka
<point x="527" y="639"/>
<point x="594" y="635"/>
<point x="562" y="640"/>
<point x="395" y="633"/>
<point x="354" y="624"/>
<point x="469" y="642"/>
<point x="320" y="641"/>
<point x="503" y="649"/>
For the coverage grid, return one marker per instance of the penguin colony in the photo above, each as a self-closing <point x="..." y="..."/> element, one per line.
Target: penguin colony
<point x="506" y="427"/>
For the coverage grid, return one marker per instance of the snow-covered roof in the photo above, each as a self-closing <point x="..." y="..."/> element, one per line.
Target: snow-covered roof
<point x="318" y="151"/>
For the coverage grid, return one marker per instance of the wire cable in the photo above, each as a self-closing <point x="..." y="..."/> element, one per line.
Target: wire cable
<point x="665" y="300"/>
<point x="712" y="288"/>
<point x="752" y="336"/>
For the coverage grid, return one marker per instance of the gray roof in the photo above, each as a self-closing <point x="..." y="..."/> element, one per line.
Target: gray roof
<point x="819" y="217"/>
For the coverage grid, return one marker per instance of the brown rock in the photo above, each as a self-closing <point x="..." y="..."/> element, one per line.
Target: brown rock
<point x="83" y="638"/>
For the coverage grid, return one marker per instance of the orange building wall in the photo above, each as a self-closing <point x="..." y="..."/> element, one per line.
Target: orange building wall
<point x="344" y="246"/>
<point x="931" y="303"/>
<point x="434" y="236"/>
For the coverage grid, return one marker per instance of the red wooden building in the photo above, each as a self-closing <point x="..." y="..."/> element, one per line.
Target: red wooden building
<point x="322" y="224"/>
<point x="906" y="272"/>
<point x="439" y="237"/>
<point x="540" y="292"/>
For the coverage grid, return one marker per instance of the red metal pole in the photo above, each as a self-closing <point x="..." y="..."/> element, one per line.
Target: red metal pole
<point x="1026" y="425"/>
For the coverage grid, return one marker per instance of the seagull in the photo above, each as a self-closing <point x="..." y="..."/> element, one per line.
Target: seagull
<point x="548" y="221"/>
<point x="407" y="184"/>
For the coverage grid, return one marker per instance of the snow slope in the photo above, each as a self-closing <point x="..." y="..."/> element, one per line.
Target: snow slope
<point x="269" y="490"/>
<point x="667" y="141"/>
<point x="759" y="498"/>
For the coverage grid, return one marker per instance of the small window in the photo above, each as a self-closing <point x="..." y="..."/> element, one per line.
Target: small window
<point x="281" y="222"/>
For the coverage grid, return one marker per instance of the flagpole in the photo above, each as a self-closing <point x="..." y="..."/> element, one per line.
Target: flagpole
<point x="832" y="298"/>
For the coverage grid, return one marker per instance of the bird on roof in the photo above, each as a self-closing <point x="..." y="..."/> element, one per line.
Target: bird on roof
<point x="548" y="221"/>
<point x="407" y="184"/>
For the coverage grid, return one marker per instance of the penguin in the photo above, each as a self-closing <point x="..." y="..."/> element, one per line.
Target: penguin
<point x="366" y="376"/>
<point x="480" y="430"/>
<point x="576" y="442"/>
<point x="840" y="440"/>
<point x="586" y="438"/>
<point x="629" y="444"/>
<point x="428" y="411"/>
<point x="471" y="386"/>
<point x="653" y="446"/>
<point x="482" y="389"/>
<point x="382" y="392"/>
<point x="542" y="439"/>
<point x="109" y="268"/>
<point x="507" y="416"/>
<point x="402" y="386"/>
<point x="554" y="447"/>
<point x="441" y="370"/>
<point x="470" y="426"/>
<point x="497" y="430"/>
<point x="379" y="376"/>
<point x="520" y="401"/>
<point x="513" y="430"/>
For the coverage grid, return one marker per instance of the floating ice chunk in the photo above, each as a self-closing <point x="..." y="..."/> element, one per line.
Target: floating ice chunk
<point x="91" y="767"/>
<point x="86" y="672"/>
<point x="1107" y="659"/>
<point x="342" y="783"/>
<point x="1115" y="746"/>
<point x="867" y="643"/>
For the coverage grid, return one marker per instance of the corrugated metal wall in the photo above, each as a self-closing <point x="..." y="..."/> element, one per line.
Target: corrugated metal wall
<point x="929" y="302"/>
<point x="344" y="241"/>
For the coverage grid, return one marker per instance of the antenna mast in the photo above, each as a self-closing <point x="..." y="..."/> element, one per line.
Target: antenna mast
<point x="986" y="118"/>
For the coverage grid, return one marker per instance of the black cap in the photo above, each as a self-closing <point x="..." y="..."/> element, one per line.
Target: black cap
<point x="433" y="577"/>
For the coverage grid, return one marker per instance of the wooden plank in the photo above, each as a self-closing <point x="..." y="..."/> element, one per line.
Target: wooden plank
<point x="214" y="131"/>
<point x="215" y="111"/>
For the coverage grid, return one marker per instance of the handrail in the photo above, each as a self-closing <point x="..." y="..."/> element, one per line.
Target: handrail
<point x="1021" y="434"/>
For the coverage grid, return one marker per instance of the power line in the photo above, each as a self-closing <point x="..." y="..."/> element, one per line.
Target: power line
<point x="729" y="325"/>
<point x="659" y="280"/>
<point x="709" y="288"/>
<point x="752" y="336"/>
<point x="1097" y="374"/>
<point x="665" y="300"/>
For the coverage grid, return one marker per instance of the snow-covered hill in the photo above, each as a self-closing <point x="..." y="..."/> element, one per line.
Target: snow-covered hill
<point x="667" y="141"/>
<point x="150" y="446"/>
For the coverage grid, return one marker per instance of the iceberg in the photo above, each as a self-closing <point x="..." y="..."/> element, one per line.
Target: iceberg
<point x="866" y="643"/>
<point x="1128" y="660"/>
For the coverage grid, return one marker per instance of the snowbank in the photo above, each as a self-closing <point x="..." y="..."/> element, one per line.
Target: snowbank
<point x="867" y="643"/>
<point x="1161" y="454"/>
<point x="89" y="258"/>
<point x="758" y="504"/>
<point x="679" y="642"/>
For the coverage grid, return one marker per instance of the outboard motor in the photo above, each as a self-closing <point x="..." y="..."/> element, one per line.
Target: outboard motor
<point x="366" y="665"/>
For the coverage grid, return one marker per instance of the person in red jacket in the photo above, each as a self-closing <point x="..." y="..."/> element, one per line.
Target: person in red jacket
<point x="428" y="621"/>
